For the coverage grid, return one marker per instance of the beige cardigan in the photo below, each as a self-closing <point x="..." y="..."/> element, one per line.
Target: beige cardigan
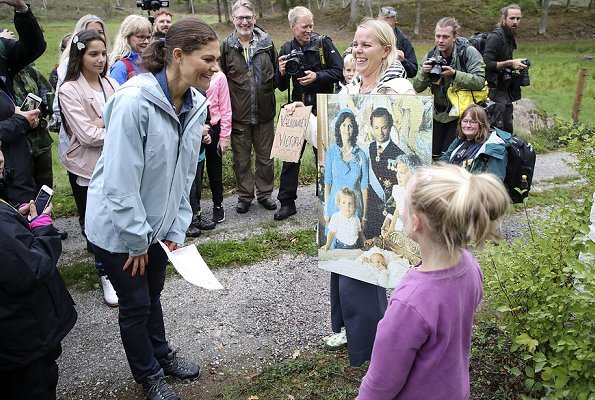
<point x="82" y="119"/>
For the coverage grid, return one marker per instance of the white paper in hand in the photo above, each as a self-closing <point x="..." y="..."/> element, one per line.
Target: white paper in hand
<point x="189" y="263"/>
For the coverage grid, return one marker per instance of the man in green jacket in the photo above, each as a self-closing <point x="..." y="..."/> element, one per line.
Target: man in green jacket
<point x="30" y="80"/>
<point x="459" y="65"/>
<point x="249" y="60"/>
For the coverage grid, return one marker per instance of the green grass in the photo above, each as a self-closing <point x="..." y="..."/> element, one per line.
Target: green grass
<point x="230" y="253"/>
<point x="551" y="197"/>
<point x="325" y="376"/>
<point x="328" y="376"/>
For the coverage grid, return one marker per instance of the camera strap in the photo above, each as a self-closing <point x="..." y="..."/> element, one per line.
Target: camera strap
<point x="321" y="51"/>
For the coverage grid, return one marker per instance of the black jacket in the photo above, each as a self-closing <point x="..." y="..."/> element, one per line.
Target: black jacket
<point x="36" y="310"/>
<point x="499" y="46"/>
<point x="410" y="60"/>
<point x="13" y="127"/>
<point x="328" y="75"/>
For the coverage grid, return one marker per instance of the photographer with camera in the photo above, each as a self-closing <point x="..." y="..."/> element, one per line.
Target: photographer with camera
<point x="505" y="74"/>
<point x="453" y="62"/>
<point x="313" y="65"/>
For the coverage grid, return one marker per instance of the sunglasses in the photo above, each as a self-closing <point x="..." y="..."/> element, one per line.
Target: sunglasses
<point x="388" y="12"/>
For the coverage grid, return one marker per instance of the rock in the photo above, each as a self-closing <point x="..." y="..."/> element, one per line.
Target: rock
<point x="528" y="118"/>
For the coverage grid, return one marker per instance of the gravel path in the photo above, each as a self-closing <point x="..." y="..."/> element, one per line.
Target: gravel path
<point x="267" y="312"/>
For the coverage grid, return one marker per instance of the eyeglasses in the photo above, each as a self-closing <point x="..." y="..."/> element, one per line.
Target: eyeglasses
<point x="246" y="18"/>
<point x="469" y="122"/>
<point x="143" y="38"/>
<point x="388" y="12"/>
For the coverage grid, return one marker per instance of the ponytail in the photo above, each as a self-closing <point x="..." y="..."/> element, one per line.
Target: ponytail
<point x="153" y="57"/>
<point x="459" y="207"/>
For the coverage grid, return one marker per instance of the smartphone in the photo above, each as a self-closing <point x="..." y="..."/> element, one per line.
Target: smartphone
<point x="31" y="102"/>
<point x="43" y="198"/>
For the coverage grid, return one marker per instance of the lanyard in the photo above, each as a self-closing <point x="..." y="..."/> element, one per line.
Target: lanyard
<point x="102" y="91"/>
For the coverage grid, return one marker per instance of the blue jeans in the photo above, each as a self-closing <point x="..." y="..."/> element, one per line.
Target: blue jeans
<point x="140" y="314"/>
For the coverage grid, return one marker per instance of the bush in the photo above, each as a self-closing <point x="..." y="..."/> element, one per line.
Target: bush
<point x="545" y="293"/>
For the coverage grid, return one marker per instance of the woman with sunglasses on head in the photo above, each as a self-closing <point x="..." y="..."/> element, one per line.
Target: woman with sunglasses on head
<point x="132" y="39"/>
<point x="139" y="191"/>
<point x="477" y="147"/>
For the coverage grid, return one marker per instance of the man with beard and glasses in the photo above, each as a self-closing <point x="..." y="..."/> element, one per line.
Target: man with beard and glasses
<point x="249" y="60"/>
<point x="501" y="67"/>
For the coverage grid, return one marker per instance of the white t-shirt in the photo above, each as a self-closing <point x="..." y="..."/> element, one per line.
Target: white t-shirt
<point x="346" y="229"/>
<point x="399" y="197"/>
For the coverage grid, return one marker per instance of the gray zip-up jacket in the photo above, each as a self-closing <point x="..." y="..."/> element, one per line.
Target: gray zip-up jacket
<point x="140" y="188"/>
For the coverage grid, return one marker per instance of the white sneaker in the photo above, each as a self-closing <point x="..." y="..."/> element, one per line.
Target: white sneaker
<point x="109" y="294"/>
<point x="336" y="341"/>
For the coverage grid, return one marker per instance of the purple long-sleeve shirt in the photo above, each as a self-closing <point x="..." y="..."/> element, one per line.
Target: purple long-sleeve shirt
<point x="422" y="345"/>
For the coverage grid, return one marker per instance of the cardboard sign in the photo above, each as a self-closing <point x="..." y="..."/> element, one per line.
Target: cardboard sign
<point x="290" y="134"/>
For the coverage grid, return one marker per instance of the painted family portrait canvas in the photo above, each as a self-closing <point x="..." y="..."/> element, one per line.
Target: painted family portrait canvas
<point x="368" y="147"/>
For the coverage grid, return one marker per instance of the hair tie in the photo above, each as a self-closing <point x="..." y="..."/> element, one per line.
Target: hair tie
<point x="79" y="45"/>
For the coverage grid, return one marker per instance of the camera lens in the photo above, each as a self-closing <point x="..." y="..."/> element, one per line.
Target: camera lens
<point x="292" y="67"/>
<point x="435" y="72"/>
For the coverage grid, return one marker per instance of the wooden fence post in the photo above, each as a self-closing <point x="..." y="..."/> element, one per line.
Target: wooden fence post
<point x="580" y="87"/>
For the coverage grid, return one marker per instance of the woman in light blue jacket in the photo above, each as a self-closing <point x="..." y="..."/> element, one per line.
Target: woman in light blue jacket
<point x="140" y="188"/>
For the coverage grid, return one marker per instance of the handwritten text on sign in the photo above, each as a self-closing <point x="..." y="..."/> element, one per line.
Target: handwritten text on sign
<point x="290" y="133"/>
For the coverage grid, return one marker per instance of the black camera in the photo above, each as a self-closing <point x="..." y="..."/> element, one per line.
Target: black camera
<point x="524" y="79"/>
<point x="152" y="5"/>
<point x="507" y="74"/>
<point x="437" y="63"/>
<point x="294" y="62"/>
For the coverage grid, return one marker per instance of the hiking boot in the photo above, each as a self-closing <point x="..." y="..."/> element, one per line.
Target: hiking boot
<point x="179" y="368"/>
<point x="193" y="231"/>
<point x="285" y="212"/>
<point x="203" y="224"/>
<point x="156" y="388"/>
<point x="109" y="294"/>
<point x="243" y="206"/>
<point x="218" y="214"/>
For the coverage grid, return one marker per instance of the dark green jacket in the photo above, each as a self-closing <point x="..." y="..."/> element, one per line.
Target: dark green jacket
<point x="492" y="157"/>
<point x="251" y="87"/>
<point x="470" y="75"/>
<point x="30" y="80"/>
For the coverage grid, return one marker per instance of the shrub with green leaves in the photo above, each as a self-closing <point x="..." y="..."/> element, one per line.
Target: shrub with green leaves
<point x="545" y="293"/>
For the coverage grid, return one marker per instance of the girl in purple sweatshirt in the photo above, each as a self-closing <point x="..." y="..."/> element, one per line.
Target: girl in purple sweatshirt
<point x="422" y="344"/>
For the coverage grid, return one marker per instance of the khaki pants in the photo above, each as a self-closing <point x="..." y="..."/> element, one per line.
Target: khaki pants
<point x="243" y="139"/>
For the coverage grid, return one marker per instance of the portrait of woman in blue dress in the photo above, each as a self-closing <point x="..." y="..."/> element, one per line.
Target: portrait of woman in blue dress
<point x="346" y="166"/>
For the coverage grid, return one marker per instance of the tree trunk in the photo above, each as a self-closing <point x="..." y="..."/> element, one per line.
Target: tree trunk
<point x="567" y="5"/>
<point x="259" y="6"/>
<point x="219" y="10"/>
<point x="417" y="17"/>
<point x="353" y="13"/>
<point x="226" y="10"/>
<point x="543" y="22"/>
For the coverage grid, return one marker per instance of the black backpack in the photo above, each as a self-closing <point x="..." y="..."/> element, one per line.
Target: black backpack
<point x="520" y="167"/>
<point x="478" y="40"/>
